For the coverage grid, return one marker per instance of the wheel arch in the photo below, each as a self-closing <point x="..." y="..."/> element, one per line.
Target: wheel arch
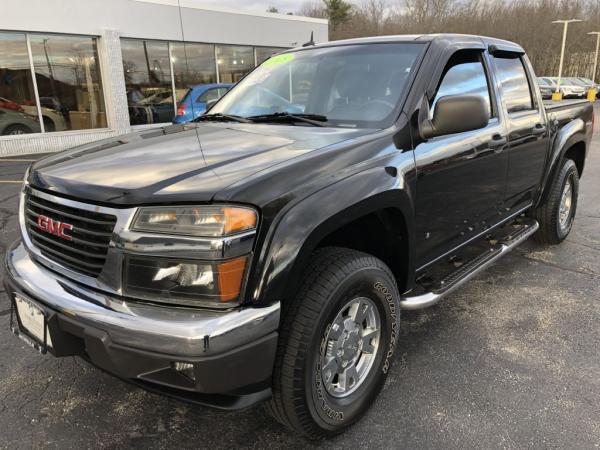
<point x="570" y="142"/>
<point x="577" y="153"/>
<point x="381" y="207"/>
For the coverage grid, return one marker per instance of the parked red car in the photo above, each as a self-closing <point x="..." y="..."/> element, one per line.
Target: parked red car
<point x="9" y="104"/>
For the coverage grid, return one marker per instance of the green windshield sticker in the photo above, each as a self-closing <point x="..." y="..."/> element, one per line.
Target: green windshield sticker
<point x="279" y="59"/>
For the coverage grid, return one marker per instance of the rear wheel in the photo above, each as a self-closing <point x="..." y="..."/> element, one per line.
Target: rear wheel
<point x="557" y="213"/>
<point x="13" y="130"/>
<point x="336" y="344"/>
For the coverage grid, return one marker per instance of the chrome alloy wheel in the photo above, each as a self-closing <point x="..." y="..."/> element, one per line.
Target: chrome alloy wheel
<point x="566" y="202"/>
<point x="350" y="346"/>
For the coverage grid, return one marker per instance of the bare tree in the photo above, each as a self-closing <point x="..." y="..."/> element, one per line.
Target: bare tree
<point x="374" y="13"/>
<point x="312" y="8"/>
<point x="528" y="22"/>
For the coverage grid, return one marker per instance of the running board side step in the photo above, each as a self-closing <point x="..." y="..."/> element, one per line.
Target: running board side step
<point x="470" y="269"/>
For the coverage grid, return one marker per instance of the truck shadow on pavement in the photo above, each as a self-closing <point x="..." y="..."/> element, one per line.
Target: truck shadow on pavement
<point x="60" y="398"/>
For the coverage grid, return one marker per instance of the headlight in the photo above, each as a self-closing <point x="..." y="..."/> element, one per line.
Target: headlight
<point x="26" y="175"/>
<point x="185" y="282"/>
<point x="208" y="221"/>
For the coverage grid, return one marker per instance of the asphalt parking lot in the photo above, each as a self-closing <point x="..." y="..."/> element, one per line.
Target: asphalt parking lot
<point x="512" y="360"/>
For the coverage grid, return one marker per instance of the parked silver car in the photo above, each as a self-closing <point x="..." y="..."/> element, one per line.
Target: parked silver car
<point x="15" y="122"/>
<point x="547" y="87"/>
<point x="569" y="88"/>
<point x="589" y="84"/>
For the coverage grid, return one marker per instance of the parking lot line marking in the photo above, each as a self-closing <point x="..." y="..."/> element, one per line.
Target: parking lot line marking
<point x="15" y="182"/>
<point x="17" y="160"/>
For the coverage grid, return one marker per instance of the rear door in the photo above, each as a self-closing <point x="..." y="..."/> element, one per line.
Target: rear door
<point x="527" y="130"/>
<point x="461" y="177"/>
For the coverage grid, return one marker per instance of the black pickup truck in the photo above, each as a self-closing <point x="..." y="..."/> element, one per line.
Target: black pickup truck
<point x="265" y="251"/>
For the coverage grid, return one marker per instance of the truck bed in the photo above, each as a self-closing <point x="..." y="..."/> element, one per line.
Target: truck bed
<point x="566" y="110"/>
<point x="552" y="105"/>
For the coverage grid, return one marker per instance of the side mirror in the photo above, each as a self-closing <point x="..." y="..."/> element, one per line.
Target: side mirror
<point x="456" y="114"/>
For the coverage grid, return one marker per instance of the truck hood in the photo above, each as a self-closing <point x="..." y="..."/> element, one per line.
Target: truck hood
<point x="190" y="162"/>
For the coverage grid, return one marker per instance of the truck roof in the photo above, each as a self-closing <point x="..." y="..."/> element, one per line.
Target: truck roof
<point x="450" y="39"/>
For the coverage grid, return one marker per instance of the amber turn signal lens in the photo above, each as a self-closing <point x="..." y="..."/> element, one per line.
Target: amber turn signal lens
<point x="231" y="274"/>
<point x="238" y="219"/>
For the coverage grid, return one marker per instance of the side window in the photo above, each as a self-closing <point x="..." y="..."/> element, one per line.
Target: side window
<point x="207" y="96"/>
<point x="516" y="91"/>
<point x="464" y="74"/>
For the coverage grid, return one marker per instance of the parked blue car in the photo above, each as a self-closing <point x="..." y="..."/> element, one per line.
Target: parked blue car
<point x="198" y="96"/>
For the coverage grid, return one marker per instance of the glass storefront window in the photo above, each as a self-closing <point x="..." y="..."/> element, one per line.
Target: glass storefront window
<point x="154" y="69"/>
<point x="18" y="108"/>
<point x="148" y="81"/>
<point x="68" y="82"/>
<point x="67" y="75"/>
<point x="264" y="53"/>
<point x="200" y="67"/>
<point x="234" y="62"/>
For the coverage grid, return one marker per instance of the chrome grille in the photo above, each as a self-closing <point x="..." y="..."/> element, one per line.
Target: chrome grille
<point x="91" y="234"/>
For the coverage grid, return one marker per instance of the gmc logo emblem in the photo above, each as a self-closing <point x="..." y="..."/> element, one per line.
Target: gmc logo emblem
<point x="55" y="227"/>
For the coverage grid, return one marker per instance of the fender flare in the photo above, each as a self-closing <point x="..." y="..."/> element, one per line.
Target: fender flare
<point x="569" y="135"/>
<point x="300" y="228"/>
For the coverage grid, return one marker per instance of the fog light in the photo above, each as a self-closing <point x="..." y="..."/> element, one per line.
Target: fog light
<point x="184" y="368"/>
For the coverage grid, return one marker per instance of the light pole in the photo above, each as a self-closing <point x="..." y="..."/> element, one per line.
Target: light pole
<point x="597" y="33"/>
<point x="562" y="51"/>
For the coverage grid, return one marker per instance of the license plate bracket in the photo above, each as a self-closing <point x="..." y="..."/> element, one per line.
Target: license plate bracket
<point x="31" y="324"/>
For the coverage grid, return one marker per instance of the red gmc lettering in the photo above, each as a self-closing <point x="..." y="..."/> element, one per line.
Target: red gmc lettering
<point x="54" y="227"/>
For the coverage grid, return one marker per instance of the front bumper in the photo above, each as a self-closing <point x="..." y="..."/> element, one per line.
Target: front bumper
<point x="232" y="352"/>
<point x="574" y="93"/>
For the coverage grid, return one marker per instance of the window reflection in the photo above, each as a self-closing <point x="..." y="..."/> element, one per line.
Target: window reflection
<point x="18" y="109"/>
<point x="464" y="75"/>
<point x="199" y="69"/>
<point x="68" y="82"/>
<point x="148" y="81"/>
<point x="234" y="62"/>
<point x="515" y="86"/>
<point x="264" y="53"/>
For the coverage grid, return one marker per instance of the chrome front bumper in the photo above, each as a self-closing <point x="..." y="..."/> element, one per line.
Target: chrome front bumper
<point x="168" y="330"/>
<point x="232" y="352"/>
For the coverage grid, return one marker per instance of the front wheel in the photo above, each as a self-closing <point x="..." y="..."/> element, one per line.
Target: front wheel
<point x="17" y="129"/>
<point x="336" y="344"/>
<point x="557" y="213"/>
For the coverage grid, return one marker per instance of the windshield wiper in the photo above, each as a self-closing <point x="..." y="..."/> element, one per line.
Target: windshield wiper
<point x="222" y="118"/>
<point x="314" y="119"/>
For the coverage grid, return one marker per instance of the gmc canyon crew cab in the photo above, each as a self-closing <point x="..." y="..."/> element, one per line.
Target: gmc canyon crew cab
<point x="264" y="252"/>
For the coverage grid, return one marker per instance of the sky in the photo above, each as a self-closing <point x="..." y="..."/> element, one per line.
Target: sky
<point x="284" y="6"/>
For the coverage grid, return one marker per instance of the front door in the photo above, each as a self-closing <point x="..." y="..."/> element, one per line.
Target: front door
<point x="461" y="178"/>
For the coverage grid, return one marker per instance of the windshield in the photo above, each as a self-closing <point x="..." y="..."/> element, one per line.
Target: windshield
<point x="352" y="86"/>
<point x="576" y="82"/>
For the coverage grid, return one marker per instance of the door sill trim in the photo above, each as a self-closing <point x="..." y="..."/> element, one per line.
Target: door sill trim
<point x="475" y="237"/>
<point x="481" y="263"/>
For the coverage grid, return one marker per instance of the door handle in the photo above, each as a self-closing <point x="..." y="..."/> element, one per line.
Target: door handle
<point x="538" y="129"/>
<point x="497" y="141"/>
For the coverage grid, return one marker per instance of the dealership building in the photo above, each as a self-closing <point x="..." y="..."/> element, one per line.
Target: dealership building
<point x="76" y="71"/>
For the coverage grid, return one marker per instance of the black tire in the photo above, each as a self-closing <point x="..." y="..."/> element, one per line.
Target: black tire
<point x="551" y="230"/>
<point x="16" y="130"/>
<point x="49" y="124"/>
<point x="301" y="400"/>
